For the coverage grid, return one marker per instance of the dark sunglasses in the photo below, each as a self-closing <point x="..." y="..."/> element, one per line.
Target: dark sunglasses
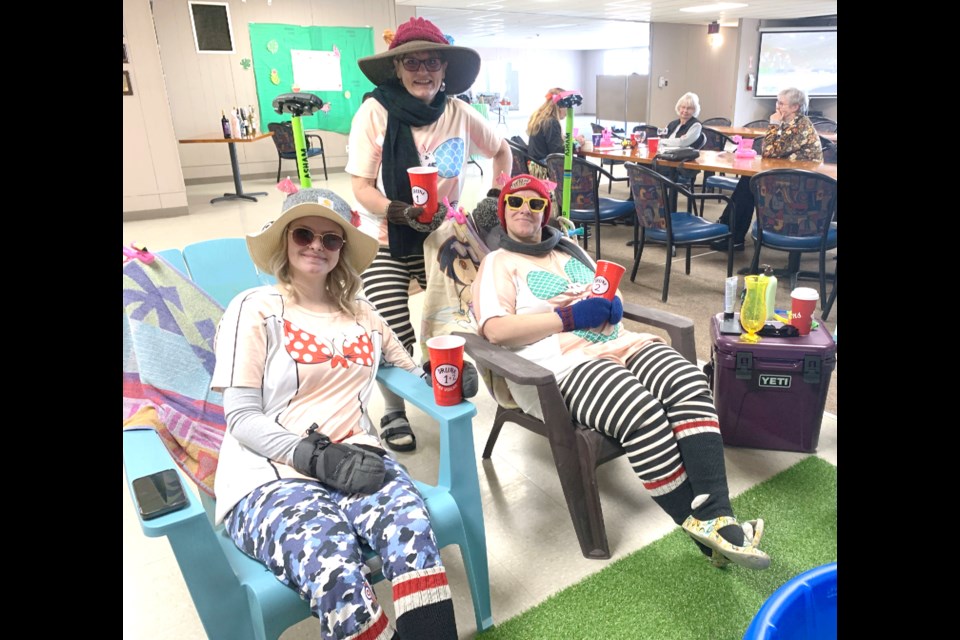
<point x="430" y="64"/>
<point x="536" y="204"/>
<point x="303" y="237"/>
<point x="783" y="331"/>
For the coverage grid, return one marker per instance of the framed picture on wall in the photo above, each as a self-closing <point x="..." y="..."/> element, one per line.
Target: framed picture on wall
<point x="125" y="59"/>
<point x="127" y="87"/>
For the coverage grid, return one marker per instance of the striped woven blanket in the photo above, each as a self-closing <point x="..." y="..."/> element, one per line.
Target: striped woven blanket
<point x="168" y="329"/>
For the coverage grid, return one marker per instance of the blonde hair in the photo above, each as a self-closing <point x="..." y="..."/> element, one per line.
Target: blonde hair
<point x="547" y="111"/>
<point x="342" y="283"/>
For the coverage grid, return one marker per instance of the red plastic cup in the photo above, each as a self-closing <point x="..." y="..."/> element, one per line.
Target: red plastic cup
<point x="446" y="363"/>
<point x="423" y="188"/>
<point x="606" y="280"/>
<point x="803" y="304"/>
<point x="652" y="145"/>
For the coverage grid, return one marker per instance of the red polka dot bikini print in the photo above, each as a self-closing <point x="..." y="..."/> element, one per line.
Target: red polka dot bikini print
<point x="305" y="348"/>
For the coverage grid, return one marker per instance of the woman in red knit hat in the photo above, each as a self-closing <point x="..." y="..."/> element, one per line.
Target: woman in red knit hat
<point x="533" y="295"/>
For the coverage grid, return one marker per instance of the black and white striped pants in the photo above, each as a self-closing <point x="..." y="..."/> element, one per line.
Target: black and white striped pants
<point x="655" y="406"/>
<point x="386" y="283"/>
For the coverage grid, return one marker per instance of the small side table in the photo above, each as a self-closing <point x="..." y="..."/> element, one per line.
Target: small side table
<point x="234" y="164"/>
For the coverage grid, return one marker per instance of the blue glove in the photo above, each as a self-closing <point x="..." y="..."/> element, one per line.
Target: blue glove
<point x="589" y="313"/>
<point x="616" y="310"/>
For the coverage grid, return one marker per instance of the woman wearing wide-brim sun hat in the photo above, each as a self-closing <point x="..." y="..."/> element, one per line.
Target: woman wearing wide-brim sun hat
<point x="409" y="121"/>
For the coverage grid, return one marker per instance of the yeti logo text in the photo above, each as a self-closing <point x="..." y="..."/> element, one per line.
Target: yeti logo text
<point x="446" y="375"/>
<point x="420" y="196"/>
<point x="776" y="382"/>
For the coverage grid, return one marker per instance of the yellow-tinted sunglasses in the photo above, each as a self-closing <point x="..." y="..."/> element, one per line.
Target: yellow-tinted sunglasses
<point x="535" y="203"/>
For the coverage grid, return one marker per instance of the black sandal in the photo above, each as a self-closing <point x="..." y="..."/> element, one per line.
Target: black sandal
<point x="400" y="427"/>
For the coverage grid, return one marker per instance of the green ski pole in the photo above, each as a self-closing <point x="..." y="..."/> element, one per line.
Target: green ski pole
<point x="300" y="104"/>
<point x="567" y="100"/>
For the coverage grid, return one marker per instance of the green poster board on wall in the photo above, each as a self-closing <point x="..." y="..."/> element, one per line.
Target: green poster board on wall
<point x="321" y="60"/>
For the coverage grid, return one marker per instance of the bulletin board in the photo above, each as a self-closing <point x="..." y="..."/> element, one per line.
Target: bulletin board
<point x="318" y="60"/>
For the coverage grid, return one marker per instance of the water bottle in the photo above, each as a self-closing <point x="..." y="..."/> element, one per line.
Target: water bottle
<point x="771" y="290"/>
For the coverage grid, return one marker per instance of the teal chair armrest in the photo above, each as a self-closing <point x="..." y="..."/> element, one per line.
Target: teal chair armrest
<point x="454" y="503"/>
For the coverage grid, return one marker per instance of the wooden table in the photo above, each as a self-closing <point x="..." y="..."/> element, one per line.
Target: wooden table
<point x="715" y="161"/>
<point x="758" y="133"/>
<point x="234" y="165"/>
<point x="723" y="162"/>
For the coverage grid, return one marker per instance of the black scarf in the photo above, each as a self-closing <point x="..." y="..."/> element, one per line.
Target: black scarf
<point x="400" y="153"/>
<point x="552" y="239"/>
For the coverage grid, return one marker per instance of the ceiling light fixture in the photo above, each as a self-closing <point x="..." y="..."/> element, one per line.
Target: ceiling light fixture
<point x="714" y="37"/>
<point x="717" y="6"/>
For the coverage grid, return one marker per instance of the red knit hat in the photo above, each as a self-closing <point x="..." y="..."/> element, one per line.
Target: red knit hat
<point x="523" y="182"/>
<point x="418" y="29"/>
<point x="416" y="35"/>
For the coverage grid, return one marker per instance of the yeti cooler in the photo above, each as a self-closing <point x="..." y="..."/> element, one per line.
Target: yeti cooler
<point x="771" y="394"/>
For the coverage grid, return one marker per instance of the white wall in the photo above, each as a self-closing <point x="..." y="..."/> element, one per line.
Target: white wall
<point x="200" y="85"/>
<point x="152" y="179"/>
<point x="680" y="54"/>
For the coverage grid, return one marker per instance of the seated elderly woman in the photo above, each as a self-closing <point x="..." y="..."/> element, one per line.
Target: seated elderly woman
<point x="533" y="295"/>
<point x="685" y="130"/>
<point x="790" y="136"/>
<point x="303" y="481"/>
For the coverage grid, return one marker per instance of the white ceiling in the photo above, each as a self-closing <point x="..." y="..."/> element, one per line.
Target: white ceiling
<point x="582" y="24"/>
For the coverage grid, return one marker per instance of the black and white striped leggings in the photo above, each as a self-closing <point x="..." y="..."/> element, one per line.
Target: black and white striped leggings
<point x="386" y="283"/>
<point x="658" y="399"/>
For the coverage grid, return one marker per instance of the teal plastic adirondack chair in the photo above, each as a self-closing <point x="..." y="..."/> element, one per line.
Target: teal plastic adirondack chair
<point x="235" y="596"/>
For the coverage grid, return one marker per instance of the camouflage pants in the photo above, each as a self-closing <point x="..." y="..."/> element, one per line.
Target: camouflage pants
<point x="310" y="537"/>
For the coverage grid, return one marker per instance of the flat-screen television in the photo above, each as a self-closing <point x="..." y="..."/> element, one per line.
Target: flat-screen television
<point x="803" y="59"/>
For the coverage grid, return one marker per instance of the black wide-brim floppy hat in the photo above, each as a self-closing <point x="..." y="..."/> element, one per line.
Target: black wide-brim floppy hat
<point x="360" y="249"/>
<point x="463" y="64"/>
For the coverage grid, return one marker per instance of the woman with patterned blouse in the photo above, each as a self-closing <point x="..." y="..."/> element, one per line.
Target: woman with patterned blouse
<point x="791" y="136"/>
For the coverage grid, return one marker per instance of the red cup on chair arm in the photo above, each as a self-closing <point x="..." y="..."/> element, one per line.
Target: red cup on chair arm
<point x="446" y="369"/>
<point x="607" y="280"/>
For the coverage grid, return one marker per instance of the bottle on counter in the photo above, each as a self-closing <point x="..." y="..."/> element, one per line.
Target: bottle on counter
<point x="244" y="130"/>
<point x="235" y="123"/>
<point x="253" y="121"/>
<point x="224" y="124"/>
<point x="771" y="290"/>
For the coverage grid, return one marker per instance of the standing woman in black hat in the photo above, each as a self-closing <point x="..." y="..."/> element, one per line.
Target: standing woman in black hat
<point x="410" y="122"/>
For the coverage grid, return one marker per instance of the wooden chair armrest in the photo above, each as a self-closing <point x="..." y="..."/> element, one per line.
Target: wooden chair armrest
<point x="504" y="362"/>
<point x="679" y="328"/>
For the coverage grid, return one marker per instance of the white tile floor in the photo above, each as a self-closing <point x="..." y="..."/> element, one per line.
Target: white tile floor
<point x="531" y="544"/>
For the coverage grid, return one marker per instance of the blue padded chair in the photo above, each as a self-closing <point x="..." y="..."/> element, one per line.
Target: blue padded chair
<point x="235" y="596"/>
<point x="795" y="212"/>
<point x="586" y="205"/>
<point x="175" y="258"/>
<point x="651" y="197"/>
<point x="286" y="149"/>
<point x="222" y="267"/>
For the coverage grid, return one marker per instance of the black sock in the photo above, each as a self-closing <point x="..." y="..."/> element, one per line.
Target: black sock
<point x="430" y="622"/>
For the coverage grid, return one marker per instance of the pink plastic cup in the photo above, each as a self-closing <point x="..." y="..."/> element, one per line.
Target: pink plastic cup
<point x="803" y="304"/>
<point x="446" y="363"/>
<point x="606" y="280"/>
<point x="423" y="188"/>
<point x="652" y="145"/>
